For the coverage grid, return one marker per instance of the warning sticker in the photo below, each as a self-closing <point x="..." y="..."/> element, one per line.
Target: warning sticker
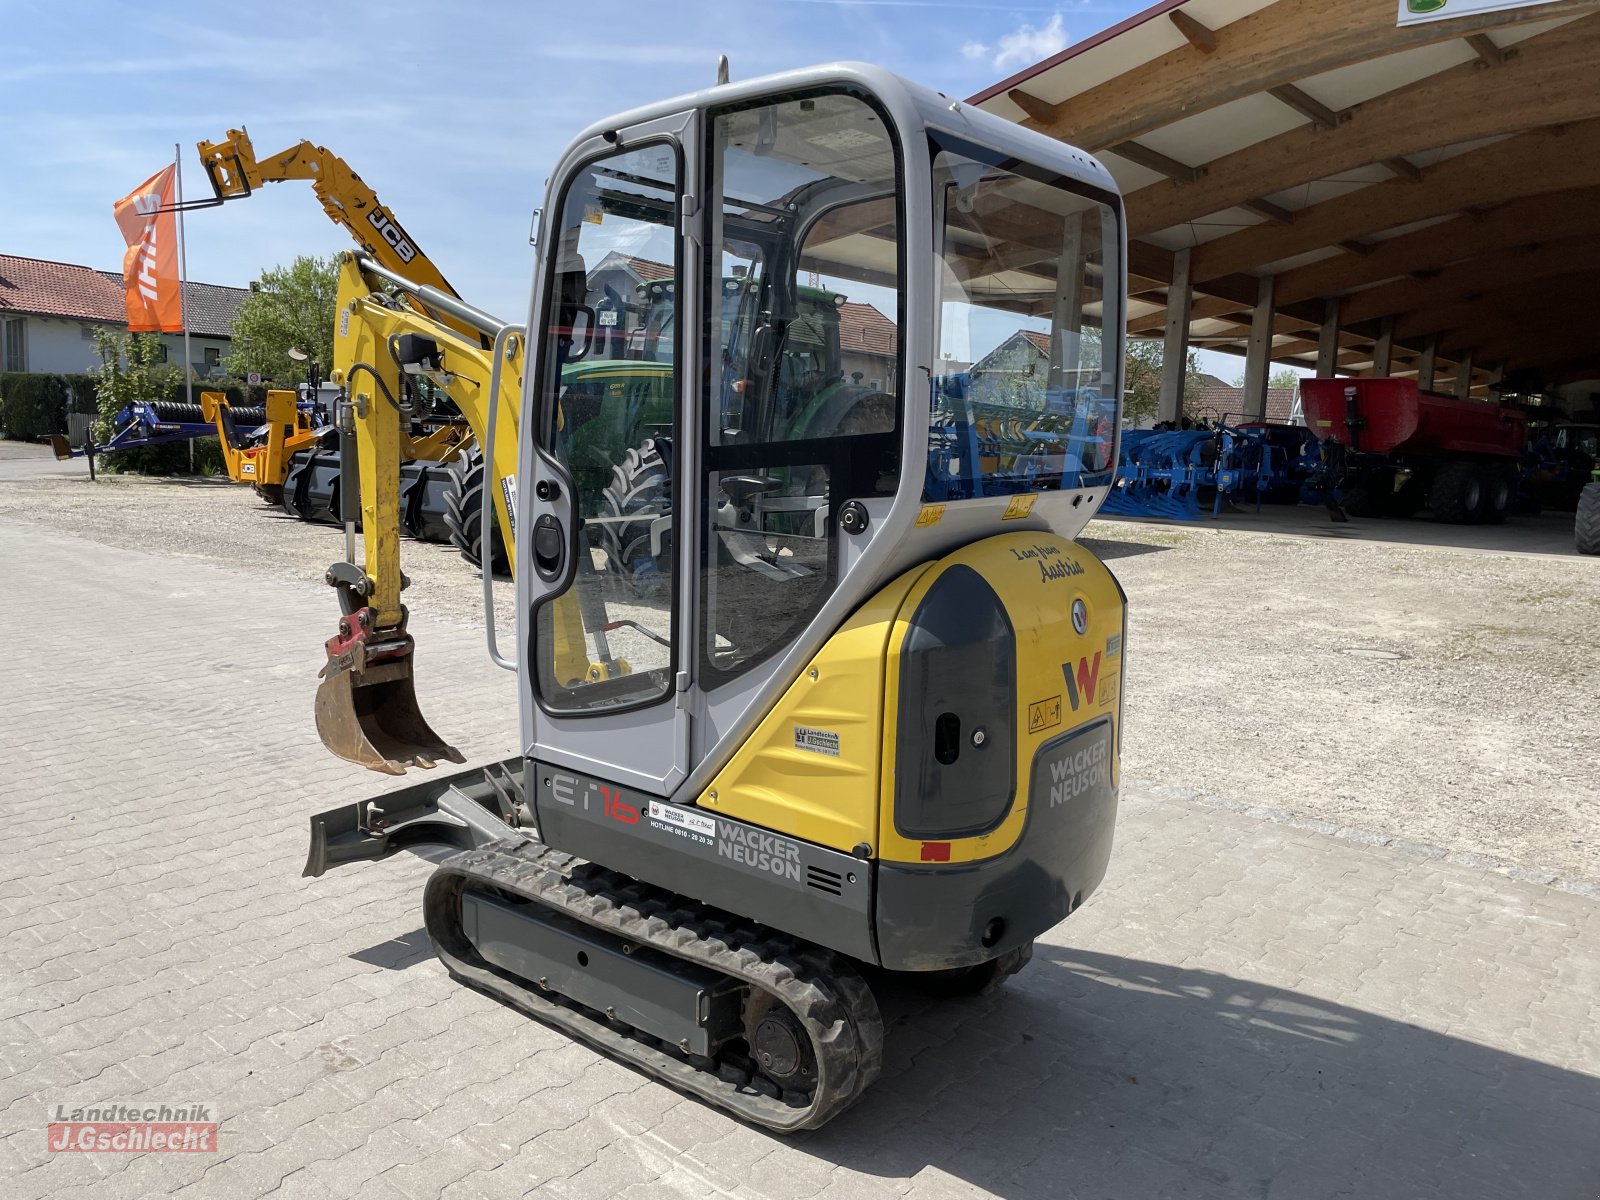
<point x="683" y="818"/>
<point x="931" y="514"/>
<point x="1020" y="506"/>
<point x="1108" y="691"/>
<point x="818" y="741"/>
<point x="508" y="486"/>
<point x="1044" y="714"/>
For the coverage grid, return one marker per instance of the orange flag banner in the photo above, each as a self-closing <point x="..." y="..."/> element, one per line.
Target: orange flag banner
<point x="150" y="265"/>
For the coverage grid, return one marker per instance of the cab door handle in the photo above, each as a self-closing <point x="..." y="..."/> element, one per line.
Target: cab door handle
<point x="549" y="548"/>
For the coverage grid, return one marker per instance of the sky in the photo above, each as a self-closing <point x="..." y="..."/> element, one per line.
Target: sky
<point x="454" y="113"/>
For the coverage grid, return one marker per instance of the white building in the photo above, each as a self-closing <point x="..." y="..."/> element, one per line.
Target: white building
<point x="50" y="312"/>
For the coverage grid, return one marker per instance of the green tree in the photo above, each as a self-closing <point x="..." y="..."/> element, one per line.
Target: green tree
<point x="291" y="307"/>
<point x="1146" y="358"/>
<point x="1283" y="377"/>
<point x="131" y="371"/>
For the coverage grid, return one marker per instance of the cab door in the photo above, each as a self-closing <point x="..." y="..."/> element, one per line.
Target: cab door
<point x="602" y="634"/>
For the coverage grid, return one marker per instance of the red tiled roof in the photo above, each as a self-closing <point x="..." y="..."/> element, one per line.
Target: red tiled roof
<point x="54" y="289"/>
<point x="1039" y="341"/>
<point x="645" y="269"/>
<point x="208" y="307"/>
<point x="1228" y="403"/>
<point x="865" y="330"/>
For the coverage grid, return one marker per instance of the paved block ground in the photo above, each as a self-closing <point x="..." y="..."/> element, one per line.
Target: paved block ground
<point x="1246" y="1009"/>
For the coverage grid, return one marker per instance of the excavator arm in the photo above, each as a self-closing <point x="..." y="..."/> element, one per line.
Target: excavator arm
<point x="366" y="705"/>
<point x="235" y="172"/>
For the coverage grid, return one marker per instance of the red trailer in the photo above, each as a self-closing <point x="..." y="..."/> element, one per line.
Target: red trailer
<point x="1392" y="448"/>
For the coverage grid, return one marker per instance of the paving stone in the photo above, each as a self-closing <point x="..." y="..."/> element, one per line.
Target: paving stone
<point x="1247" y="1008"/>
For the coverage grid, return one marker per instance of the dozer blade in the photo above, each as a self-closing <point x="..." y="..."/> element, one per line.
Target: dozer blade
<point x="367" y="704"/>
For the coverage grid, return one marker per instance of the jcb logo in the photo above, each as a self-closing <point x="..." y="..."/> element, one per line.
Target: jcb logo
<point x="392" y="234"/>
<point x="1081" y="688"/>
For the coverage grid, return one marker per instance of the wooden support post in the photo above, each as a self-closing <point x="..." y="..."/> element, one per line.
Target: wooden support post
<point x="1383" y="350"/>
<point x="1464" y="376"/>
<point x="1258" y="359"/>
<point x="1175" y="356"/>
<point x="1427" y="363"/>
<point x="1067" y="310"/>
<point x="1328" y="343"/>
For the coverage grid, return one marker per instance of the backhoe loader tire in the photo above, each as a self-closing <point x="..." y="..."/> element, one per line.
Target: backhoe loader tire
<point x="1499" y="486"/>
<point x="1460" y="490"/>
<point x="1587" y="529"/>
<point x="270" y="493"/>
<point x="463" y="516"/>
<point x="640" y="487"/>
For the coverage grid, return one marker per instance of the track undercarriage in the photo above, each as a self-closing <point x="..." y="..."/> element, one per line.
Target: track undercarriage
<point x="774" y="1030"/>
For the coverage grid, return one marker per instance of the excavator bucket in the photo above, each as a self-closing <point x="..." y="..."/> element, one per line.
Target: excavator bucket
<point x="367" y="704"/>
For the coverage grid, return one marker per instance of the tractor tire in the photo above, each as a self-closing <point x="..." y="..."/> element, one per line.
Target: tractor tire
<point x="463" y="515"/>
<point x="1587" y="528"/>
<point x="1369" y="495"/>
<point x="1410" y="499"/>
<point x="640" y="489"/>
<point x="1458" y="493"/>
<point x="1499" y="486"/>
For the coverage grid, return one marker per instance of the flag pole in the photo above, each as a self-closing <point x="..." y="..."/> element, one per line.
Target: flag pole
<point x="183" y="287"/>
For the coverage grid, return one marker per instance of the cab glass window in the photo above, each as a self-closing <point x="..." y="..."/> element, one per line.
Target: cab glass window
<point x="803" y="393"/>
<point x="1024" y="384"/>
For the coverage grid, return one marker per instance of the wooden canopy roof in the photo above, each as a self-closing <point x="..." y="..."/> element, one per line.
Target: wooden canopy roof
<point x="1441" y="180"/>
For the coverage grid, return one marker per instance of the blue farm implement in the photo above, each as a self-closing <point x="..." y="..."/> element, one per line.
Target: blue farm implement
<point x="1181" y="474"/>
<point x="141" y="424"/>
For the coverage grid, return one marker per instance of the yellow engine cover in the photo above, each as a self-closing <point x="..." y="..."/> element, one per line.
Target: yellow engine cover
<point x="825" y="764"/>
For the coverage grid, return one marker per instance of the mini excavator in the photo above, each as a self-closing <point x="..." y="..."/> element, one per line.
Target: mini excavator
<point x="815" y="683"/>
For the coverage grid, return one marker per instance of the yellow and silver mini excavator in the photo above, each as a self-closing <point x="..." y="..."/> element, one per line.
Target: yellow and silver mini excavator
<point x="820" y="383"/>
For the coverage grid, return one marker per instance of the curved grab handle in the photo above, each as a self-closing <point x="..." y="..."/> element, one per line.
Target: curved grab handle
<point x="491" y="482"/>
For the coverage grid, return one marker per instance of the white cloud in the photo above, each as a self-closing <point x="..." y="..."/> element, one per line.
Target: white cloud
<point x="1023" y="46"/>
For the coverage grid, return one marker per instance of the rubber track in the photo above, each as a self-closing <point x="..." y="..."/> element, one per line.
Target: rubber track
<point x="821" y="988"/>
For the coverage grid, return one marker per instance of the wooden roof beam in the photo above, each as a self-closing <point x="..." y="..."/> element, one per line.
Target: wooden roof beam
<point x="1271" y="212"/>
<point x="1196" y="34"/>
<point x="1549" y="83"/>
<point x="1282" y="43"/>
<point x="1489" y="54"/>
<point x="1319" y="114"/>
<point x="1503" y="304"/>
<point x="1203" y="308"/>
<point x="1543" y="161"/>
<point x="1404" y="168"/>
<point x="1038" y="110"/>
<point x="1514" y="268"/>
<point x="1153" y="160"/>
<point x="1555" y="215"/>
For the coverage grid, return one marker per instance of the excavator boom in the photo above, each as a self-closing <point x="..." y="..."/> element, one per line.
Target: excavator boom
<point x="235" y="172"/>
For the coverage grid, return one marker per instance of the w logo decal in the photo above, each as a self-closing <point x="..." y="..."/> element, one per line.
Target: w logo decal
<point x="1085" y="682"/>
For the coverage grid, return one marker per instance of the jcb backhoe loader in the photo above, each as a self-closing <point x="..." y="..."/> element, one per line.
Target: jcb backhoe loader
<point x="438" y="454"/>
<point x="868" y="709"/>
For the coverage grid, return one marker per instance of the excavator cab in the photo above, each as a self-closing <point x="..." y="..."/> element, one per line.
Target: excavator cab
<point x="897" y="328"/>
<point x="823" y="381"/>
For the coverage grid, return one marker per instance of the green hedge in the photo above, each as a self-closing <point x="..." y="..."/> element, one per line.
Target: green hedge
<point x="33" y="406"/>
